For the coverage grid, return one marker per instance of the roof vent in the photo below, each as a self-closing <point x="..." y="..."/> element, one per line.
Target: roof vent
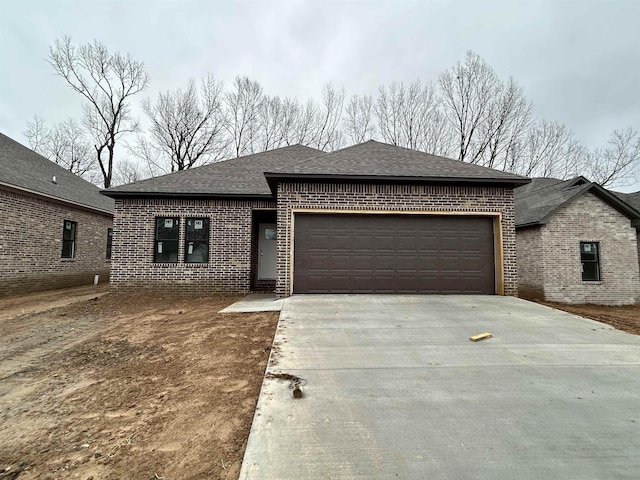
<point x="54" y="180"/>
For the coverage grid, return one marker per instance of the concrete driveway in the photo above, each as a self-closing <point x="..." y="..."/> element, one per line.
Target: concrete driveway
<point x="395" y="389"/>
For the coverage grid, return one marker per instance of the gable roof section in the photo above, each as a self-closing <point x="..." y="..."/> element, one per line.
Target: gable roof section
<point x="23" y="169"/>
<point x="632" y="199"/>
<point x="257" y="175"/>
<point x="371" y="161"/>
<point x="536" y="202"/>
<point x="238" y="177"/>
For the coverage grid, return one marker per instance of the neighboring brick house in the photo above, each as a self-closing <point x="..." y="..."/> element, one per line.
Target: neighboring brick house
<point x="576" y="243"/>
<point x="368" y="218"/>
<point x="55" y="226"/>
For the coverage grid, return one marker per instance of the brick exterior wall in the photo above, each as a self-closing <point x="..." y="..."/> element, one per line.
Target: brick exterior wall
<point x="397" y="198"/>
<point x="530" y="265"/>
<point x="31" y="244"/>
<point x="590" y="219"/>
<point x="230" y="255"/>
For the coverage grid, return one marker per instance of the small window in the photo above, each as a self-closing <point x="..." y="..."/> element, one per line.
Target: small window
<point x="166" y="243"/>
<point x="69" y="239"/>
<point x="109" y="242"/>
<point x="590" y="258"/>
<point x="270" y="234"/>
<point x="196" y="241"/>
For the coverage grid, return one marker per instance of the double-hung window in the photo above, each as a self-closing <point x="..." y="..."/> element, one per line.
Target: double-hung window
<point x="69" y="239"/>
<point x="166" y="241"/>
<point x="196" y="240"/>
<point x="109" y="242"/>
<point x="590" y="259"/>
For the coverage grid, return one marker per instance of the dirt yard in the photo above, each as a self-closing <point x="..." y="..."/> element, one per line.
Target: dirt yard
<point x="626" y="318"/>
<point x="127" y="387"/>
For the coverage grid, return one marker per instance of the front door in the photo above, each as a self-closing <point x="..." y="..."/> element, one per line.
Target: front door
<point x="267" y="251"/>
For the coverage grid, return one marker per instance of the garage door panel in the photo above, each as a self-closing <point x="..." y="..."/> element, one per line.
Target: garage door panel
<point x="345" y="253"/>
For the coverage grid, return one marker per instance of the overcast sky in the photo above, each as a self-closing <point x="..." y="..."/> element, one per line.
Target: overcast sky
<point x="578" y="61"/>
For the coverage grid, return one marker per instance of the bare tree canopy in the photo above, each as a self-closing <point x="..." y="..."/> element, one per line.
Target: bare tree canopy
<point x="107" y="82"/>
<point x="616" y="164"/>
<point x="187" y="127"/>
<point x="359" y="123"/>
<point x="469" y="113"/>
<point x="65" y="144"/>
<point x="243" y="105"/>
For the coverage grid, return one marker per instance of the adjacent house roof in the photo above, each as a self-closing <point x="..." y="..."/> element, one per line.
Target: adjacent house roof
<point x="23" y="169"/>
<point x="632" y="199"/>
<point x="380" y="161"/>
<point x="257" y="175"/>
<point x="239" y="177"/>
<point x="536" y="202"/>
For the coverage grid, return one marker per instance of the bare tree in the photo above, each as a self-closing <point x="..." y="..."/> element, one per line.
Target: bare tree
<point x="302" y="122"/>
<point x="242" y="114"/>
<point x="65" y="144"/>
<point x="107" y="82"/>
<point x="509" y="118"/>
<point x="128" y="171"/>
<point x="545" y="149"/>
<point x="327" y="134"/>
<point x="272" y="123"/>
<point x="187" y="127"/>
<point x="359" y="123"/>
<point x="619" y="163"/>
<point x="410" y="116"/>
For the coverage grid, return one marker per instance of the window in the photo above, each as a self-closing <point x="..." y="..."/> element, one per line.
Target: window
<point x="166" y="244"/>
<point x="590" y="258"/>
<point x="196" y="241"/>
<point x="109" y="242"/>
<point x="69" y="239"/>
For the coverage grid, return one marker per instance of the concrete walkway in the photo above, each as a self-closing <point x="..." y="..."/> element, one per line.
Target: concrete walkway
<point x="255" y="302"/>
<point x="395" y="389"/>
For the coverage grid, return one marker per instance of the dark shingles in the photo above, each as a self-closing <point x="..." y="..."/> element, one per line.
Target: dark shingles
<point x="22" y="168"/>
<point x="239" y="176"/>
<point x="381" y="159"/>
<point x="246" y="175"/>
<point x="632" y="199"/>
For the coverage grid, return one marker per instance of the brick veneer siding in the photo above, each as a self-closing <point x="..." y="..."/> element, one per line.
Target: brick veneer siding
<point x="590" y="219"/>
<point x="31" y="244"/>
<point x="530" y="268"/>
<point x="229" y="267"/>
<point x="398" y="198"/>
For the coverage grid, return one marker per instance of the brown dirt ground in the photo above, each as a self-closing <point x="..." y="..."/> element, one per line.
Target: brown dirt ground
<point x="626" y="318"/>
<point x="127" y="386"/>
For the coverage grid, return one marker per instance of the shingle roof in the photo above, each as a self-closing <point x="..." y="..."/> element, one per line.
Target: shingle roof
<point x="24" y="169"/>
<point x="632" y="199"/>
<point x="243" y="176"/>
<point x="537" y="201"/>
<point x="376" y="159"/>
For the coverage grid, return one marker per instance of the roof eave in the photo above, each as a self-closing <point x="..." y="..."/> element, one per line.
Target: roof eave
<point x="273" y="178"/>
<point x="56" y="199"/>
<point x="192" y="195"/>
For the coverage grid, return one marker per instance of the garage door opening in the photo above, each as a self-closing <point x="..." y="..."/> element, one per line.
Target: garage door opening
<point x="394" y="253"/>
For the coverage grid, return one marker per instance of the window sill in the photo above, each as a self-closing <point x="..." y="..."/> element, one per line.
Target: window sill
<point x="68" y="259"/>
<point x="592" y="282"/>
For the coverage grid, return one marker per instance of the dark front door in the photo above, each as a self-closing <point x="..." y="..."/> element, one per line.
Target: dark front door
<point x="344" y="253"/>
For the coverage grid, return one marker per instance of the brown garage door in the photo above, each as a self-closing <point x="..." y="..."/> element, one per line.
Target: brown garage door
<point x="343" y="253"/>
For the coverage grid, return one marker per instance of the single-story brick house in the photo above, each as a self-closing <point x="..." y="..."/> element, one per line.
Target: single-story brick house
<point x="56" y="227"/>
<point x="576" y="243"/>
<point x="368" y="218"/>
